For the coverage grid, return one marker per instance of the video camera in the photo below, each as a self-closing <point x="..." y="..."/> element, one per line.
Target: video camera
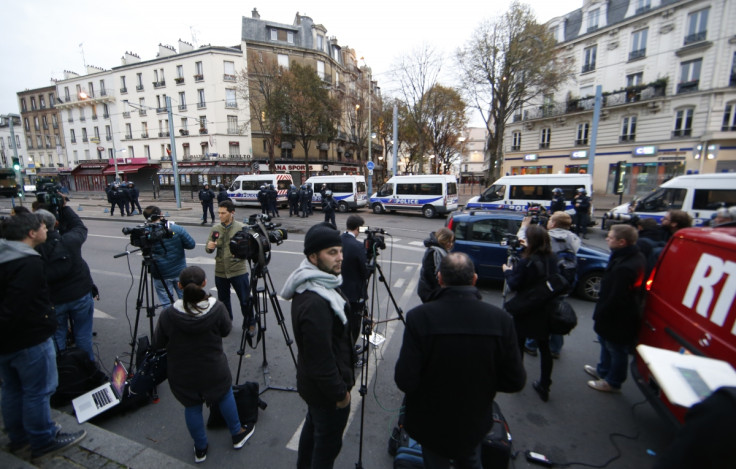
<point x="48" y="192"/>
<point x="537" y="214"/>
<point x="374" y="241"/>
<point x="144" y="236"/>
<point x="253" y="242"/>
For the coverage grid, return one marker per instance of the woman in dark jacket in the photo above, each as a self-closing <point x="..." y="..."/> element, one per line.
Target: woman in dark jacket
<point x="438" y="245"/>
<point x="536" y="264"/>
<point x="191" y="330"/>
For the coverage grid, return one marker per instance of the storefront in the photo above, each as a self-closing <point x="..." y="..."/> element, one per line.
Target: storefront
<point x="88" y="176"/>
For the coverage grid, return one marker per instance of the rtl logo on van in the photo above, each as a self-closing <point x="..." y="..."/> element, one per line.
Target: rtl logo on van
<point x="702" y="287"/>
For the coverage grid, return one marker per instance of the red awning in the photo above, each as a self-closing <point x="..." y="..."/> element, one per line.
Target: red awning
<point x="124" y="168"/>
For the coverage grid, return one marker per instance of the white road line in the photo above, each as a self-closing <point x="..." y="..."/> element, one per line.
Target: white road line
<point x="416" y="243"/>
<point x="408" y="268"/>
<point x="101" y="315"/>
<point x="399" y="283"/>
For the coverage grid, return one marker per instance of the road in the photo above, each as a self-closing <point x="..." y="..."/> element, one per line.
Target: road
<point x="575" y="425"/>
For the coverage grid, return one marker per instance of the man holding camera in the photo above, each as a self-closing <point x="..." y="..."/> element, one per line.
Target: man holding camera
<point x="354" y="273"/>
<point x="457" y="341"/>
<point x="229" y="270"/>
<point x="324" y="373"/>
<point x="169" y="257"/>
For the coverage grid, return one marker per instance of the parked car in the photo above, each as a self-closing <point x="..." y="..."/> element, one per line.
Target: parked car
<point x="483" y="235"/>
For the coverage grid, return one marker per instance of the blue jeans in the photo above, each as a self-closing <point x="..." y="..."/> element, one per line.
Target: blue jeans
<point x="29" y="379"/>
<point x="242" y="288"/>
<point x="195" y="421"/>
<point x="433" y="460"/>
<point x="321" y="438"/>
<point x="173" y="284"/>
<point x="556" y="341"/>
<point x="613" y="362"/>
<point x="80" y="311"/>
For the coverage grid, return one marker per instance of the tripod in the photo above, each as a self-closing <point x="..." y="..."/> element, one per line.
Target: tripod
<point x="375" y="275"/>
<point x="260" y="295"/>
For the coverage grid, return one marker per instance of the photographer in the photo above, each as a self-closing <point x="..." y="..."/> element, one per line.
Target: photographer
<point x="71" y="288"/>
<point x="354" y="273"/>
<point x="169" y="256"/>
<point x="229" y="270"/>
<point x="206" y="198"/>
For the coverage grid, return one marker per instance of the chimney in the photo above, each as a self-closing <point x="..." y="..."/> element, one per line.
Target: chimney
<point x="255" y="14"/>
<point x="184" y="46"/>
<point x="69" y="74"/>
<point x="130" y="58"/>
<point x="92" y="69"/>
<point x="165" y="51"/>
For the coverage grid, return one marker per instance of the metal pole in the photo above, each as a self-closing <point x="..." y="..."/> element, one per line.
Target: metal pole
<point x="370" y="134"/>
<point x="594" y="132"/>
<point x="18" y="174"/>
<point x="396" y="137"/>
<point x="173" y="152"/>
<point x="115" y="157"/>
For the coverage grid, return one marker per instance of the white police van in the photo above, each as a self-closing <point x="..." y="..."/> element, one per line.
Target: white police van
<point x="700" y="195"/>
<point x="348" y="191"/>
<point x="432" y="194"/>
<point x="244" y="190"/>
<point x="517" y="192"/>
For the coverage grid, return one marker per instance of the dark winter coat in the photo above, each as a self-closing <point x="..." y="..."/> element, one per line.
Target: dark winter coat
<point x="328" y="204"/>
<point x="324" y="371"/>
<point x="617" y="314"/>
<point x="428" y="283"/>
<point x="206" y="196"/>
<point x="527" y="273"/>
<point x="197" y="367"/>
<point x="581" y="204"/>
<point x="222" y="196"/>
<point x="458" y="352"/>
<point x="354" y="268"/>
<point x="169" y="253"/>
<point x="27" y="317"/>
<point x="67" y="273"/>
<point x="124" y="194"/>
<point x="557" y="205"/>
<point x="133" y="193"/>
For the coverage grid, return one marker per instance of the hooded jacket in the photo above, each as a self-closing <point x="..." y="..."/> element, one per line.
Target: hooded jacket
<point x="428" y="283"/>
<point x="197" y="367"/>
<point x="27" y="317"/>
<point x="169" y="253"/>
<point x="563" y="240"/>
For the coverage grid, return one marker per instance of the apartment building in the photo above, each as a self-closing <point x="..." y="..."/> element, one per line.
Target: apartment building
<point x="667" y="70"/>
<point x="7" y="153"/>
<point x="471" y="160"/>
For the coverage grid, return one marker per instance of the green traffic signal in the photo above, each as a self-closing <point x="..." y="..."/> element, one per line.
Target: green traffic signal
<point x="16" y="164"/>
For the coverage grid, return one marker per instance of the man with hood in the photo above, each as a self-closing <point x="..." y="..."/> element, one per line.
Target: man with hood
<point x="27" y="355"/>
<point x="438" y="245"/>
<point x="319" y="318"/>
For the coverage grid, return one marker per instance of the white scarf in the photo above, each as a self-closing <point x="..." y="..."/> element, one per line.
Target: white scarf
<point x="308" y="277"/>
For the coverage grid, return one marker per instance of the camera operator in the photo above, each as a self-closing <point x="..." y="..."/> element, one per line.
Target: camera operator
<point x="457" y="341"/>
<point x="206" y="198"/>
<point x="71" y="288"/>
<point x="229" y="270"/>
<point x="169" y="256"/>
<point x="354" y="273"/>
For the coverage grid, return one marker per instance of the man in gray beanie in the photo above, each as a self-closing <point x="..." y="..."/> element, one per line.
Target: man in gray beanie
<point x="324" y="374"/>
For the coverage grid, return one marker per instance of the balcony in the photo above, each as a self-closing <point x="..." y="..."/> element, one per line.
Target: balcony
<point x="581" y="142"/>
<point x="108" y="138"/>
<point x="588" y="68"/>
<point x="680" y="133"/>
<point x="128" y="137"/>
<point x="106" y="115"/>
<point x="123" y="90"/>
<point x="81" y="119"/>
<point x="182" y="107"/>
<point x="163" y="134"/>
<point x="637" y="54"/>
<point x="159" y="84"/>
<point x="515" y="147"/>
<point x="231" y="105"/>
<point x="85" y="139"/>
<point x="141" y="112"/>
<point x="126" y="114"/>
<point x="203" y="131"/>
<point x="687" y="86"/>
<point x="139" y="87"/>
<point x="543" y="145"/>
<point x="179" y="80"/>
<point x="199" y="77"/>
<point x="183" y="132"/>
<point x="693" y="38"/>
<point x="227" y="77"/>
<point x="201" y="105"/>
<point x="627" y="138"/>
<point x="144" y="135"/>
<point x="161" y="110"/>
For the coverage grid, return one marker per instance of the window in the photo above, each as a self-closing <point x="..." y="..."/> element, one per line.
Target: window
<point x="201" y="102"/>
<point x="42" y="102"/>
<point x="628" y="129"/>
<point x="284" y="61"/>
<point x="321" y="69"/>
<point x="581" y="137"/>
<point x="643" y="5"/>
<point x="290" y="37"/>
<point x="492" y="230"/>
<point x="320" y="42"/>
<point x="108" y="133"/>
<point x="419" y="189"/>
<point x="732" y="79"/>
<point x="180" y="71"/>
<point x="689" y="75"/>
<point x="234" y="148"/>
<point x="635" y="79"/>
<point x="105" y="111"/>
<point x="35" y="123"/>
<point x="230" y="101"/>
<point x="516" y="141"/>
<point x="97" y="133"/>
<point x="33" y="103"/>
<point x="683" y="123"/>
<point x="128" y="131"/>
<point x="144" y="129"/>
<point x="712" y="199"/>
<point x="638" y="44"/>
<point x="287" y="152"/>
<point x="147" y="151"/>
<point x="662" y="200"/>
<point x="73" y="136"/>
<point x="123" y="88"/>
<point x="27" y="124"/>
<point x="729" y="117"/>
<point x="697" y="26"/>
<point x="229" y="71"/>
<point x="54" y="121"/>
<point x="182" y="101"/>
<point x="232" y="124"/>
<point x="546" y="137"/>
<point x="203" y="124"/>
<point x="274" y="34"/>
<point x="52" y="100"/>
<point x="23" y="104"/>
<point x="589" y="55"/>
<point x="198" y="71"/>
<point x="139" y="81"/>
<point x="103" y="90"/>
<point x="184" y="125"/>
<point x="84" y="134"/>
<point x="593" y="16"/>
<point x="66" y="95"/>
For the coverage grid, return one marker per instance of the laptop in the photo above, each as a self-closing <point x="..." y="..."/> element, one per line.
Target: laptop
<point x="102" y="398"/>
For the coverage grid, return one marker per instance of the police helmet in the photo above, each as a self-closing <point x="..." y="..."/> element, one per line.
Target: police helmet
<point x="328" y="193"/>
<point x="581" y="190"/>
<point x="557" y="191"/>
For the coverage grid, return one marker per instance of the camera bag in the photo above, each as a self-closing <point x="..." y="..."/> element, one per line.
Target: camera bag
<point x="77" y="375"/>
<point x="496" y="446"/>
<point x="247" y="401"/>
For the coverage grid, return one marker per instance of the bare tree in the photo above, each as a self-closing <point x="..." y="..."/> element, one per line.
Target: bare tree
<point x="446" y="120"/>
<point x="507" y="63"/>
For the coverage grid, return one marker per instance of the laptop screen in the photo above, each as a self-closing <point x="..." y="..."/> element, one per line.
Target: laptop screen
<point x="118" y="378"/>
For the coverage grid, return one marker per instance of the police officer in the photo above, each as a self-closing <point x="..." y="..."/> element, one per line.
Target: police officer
<point x="558" y="201"/>
<point x="293" y="200"/>
<point x="272" y="195"/>
<point x="328" y="207"/>
<point x="221" y="194"/>
<point x="206" y="198"/>
<point x="263" y="199"/>
<point x="304" y="199"/>
<point x="133" y="193"/>
<point x="581" y="204"/>
<point x="311" y="196"/>
<point x="125" y="196"/>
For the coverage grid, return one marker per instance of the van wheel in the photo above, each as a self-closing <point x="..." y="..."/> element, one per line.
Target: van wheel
<point x="342" y="207"/>
<point x="589" y="286"/>
<point x="377" y="209"/>
<point x="429" y="211"/>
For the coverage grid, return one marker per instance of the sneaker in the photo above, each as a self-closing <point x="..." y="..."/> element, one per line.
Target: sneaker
<point x="542" y="391"/>
<point x="60" y="442"/>
<point x="240" y="439"/>
<point x="25" y="446"/>
<point x="555" y="355"/>
<point x="200" y="454"/>
<point x="530" y="351"/>
<point x="592" y="371"/>
<point x="603" y="386"/>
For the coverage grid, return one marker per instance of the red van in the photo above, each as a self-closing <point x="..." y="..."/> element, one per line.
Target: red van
<point x="690" y="305"/>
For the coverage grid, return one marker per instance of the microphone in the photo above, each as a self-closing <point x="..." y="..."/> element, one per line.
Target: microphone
<point x="215" y="235"/>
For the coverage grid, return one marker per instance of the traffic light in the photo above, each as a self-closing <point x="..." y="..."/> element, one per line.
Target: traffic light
<point x="16" y="164"/>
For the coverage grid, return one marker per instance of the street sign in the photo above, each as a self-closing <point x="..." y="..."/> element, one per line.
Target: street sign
<point x="370" y="165"/>
<point x="100" y="148"/>
<point x="370" y="172"/>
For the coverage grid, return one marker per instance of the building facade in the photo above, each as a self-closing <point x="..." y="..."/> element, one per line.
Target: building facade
<point x="7" y="152"/>
<point x="667" y="71"/>
<point x="472" y="159"/>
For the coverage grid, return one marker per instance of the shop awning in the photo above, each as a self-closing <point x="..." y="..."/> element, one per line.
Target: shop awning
<point x="125" y="168"/>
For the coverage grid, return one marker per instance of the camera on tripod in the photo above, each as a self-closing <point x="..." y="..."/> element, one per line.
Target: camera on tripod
<point x="253" y="242"/>
<point x="146" y="235"/>
<point x="48" y="193"/>
<point x="374" y="241"/>
<point x="537" y="214"/>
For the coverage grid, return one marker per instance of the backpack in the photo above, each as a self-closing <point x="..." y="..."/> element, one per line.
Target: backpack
<point x="567" y="263"/>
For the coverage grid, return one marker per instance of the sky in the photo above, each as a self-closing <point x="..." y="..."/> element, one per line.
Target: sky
<point x="42" y="38"/>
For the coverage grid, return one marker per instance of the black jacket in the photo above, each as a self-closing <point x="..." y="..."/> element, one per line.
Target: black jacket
<point x="458" y="352"/>
<point x="133" y="193"/>
<point x="206" y="196"/>
<point x="222" y="196"/>
<point x="67" y="273"/>
<point x="617" y="314"/>
<point x="557" y="205"/>
<point x="428" y="284"/>
<point x="354" y="268"/>
<point x="324" y="371"/>
<point x="527" y="273"/>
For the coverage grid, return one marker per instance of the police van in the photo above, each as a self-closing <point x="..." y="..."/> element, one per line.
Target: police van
<point x="690" y="309"/>
<point x="431" y="194"/>
<point x="700" y="195"/>
<point x="517" y="192"/>
<point x="348" y="191"/>
<point x="244" y="190"/>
